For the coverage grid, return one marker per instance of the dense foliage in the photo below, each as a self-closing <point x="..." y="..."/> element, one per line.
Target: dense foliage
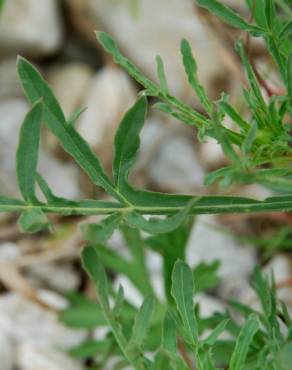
<point x="167" y="334"/>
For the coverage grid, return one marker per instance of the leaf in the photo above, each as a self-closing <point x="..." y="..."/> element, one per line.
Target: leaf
<point x="212" y="338"/>
<point x="229" y="16"/>
<point x="50" y="196"/>
<point x="86" y="316"/>
<point x="97" y="273"/>
<point x="32" y="221"/>
<point x="111" y="47"/>
<point x="191" y="71"/>
<point x="35" y="88"/>
<point x="289" y="79"/>
<point x="243" y="343"/>
<point x="91" y="348"/>
<point x="235" y="116"/>
<point x="27" y="153"/>
<point x="171" y="246"/>
<point x="119" y="301"/>
<point x="270" y="13"/>
<point x="160" y="226"/>
<point x="161" y="74"/>
<point x="251" y="76"/>
<point x="286" y="31"/>
<point x="142" y="322"/>
<point x="205" y="276"/>
<point x="8" y="204"/>
<point x="250" y="138"/>
<point x="168" y="340"/>
<point x="182" y="292"/>
<point x="127" y="141"/>
<point x="101" y="232"/>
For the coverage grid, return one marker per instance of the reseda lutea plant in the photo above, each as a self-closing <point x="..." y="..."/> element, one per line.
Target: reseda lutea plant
<point x="259" y="150"/>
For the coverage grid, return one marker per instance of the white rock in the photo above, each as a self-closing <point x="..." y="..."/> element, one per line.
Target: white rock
<point x="9" y="80"/>
<point x="208" y="305"/>
<point x="208" y="243"/>
<point x="24" y="320"/>
<point x="63" y="178"/>
<point x="61" y="277"/>
<point x="70" y="83"/>
<point x="30" y="27"/>
<point x="110" y="95"/>
<point x="158" y="30"/>
<point x="7" y="353"/>
<point x="9" y="252"/>
<point x="168" y="157"/>
<point x="34" y="357"/>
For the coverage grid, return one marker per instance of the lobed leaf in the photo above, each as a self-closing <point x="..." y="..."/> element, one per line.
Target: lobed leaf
<point x="191" y="71"/>
<point x="36" y="88"/>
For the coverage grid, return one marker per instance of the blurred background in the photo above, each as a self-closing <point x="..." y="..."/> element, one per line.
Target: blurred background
<point x="37" y="272"/>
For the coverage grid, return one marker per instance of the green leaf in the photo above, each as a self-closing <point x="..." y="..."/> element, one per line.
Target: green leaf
<point x="161" y="74"/>
<point x="205" y="276"/>
<point x="249" y="139"/>
<point x="229" y="16"/>
<point x="127" y="142"/>
<point x="234" y="115"/>
<point x="191" y="71"/>
<point x="91" y="348"/>
<point x="286" y="31"/>
<point x="36" y="88"/>
<point x="182" y="292"/>
<point x="289" y="79"/>
<point x="251" y="76"/>
<point x="142" y="322"/>
<point x="212" y="338"/>
<point x="111" y="47"/>
<point x="270" y="13"/>
<point x="85" y="316"/>
<point x="243" y="343"/>
<point x="101" y="232"/>
<point x="160" y="226"/>
<point x="8" y="204"/>
<point x="168" y="340"/>
<point x="27" y="153"/>
<point x="32" y="221"/>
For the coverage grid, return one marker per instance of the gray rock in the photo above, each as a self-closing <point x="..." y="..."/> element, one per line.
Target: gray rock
<point x="170" y="21"/>
<point x="7" y="353"/>
<point x="9" y="82"/>
<point x="24" y="321"/>
<point x="30" y="27"/>
<point x="110" y="95"/>
<point x="32" y="356"/>
<point x="168" y="158"/>
<point x="70" y="83"/>
<point x="208" y="243"/>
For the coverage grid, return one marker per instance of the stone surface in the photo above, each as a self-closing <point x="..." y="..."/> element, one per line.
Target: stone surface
<point x="9" y="82"/>
<point x="25" y="321"/>
<point x="35" y="357"/>
<point x="208" y="243"/>
<point x="170" y="21"/>
<point x="30" y="27"/>
<point x="7" y="353"/>
<point x="70" y="83"/>
<point x="168" y="158"/>
<point x="61" y="177"/>
<point x="60" y="277"/>
<point x="110" y="95"/>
